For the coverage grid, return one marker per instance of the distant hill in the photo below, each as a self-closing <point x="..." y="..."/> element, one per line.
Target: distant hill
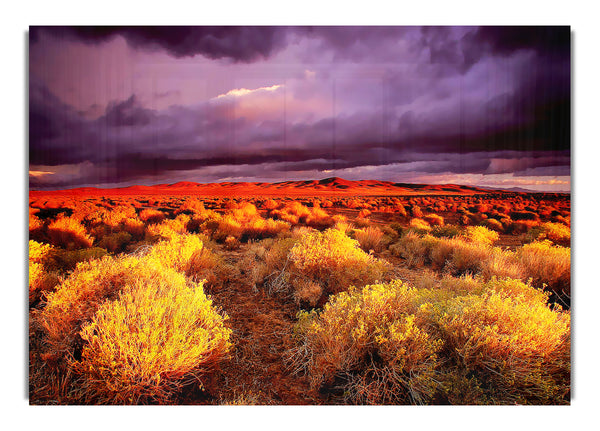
<point x="326" y="186"/>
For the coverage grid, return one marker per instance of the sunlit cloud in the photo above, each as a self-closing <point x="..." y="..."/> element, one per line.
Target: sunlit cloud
<point x="237" y="92"/>
<point x="38" y="174"/>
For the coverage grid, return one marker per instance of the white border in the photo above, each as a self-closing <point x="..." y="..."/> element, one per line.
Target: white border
<point x="585" y="209"/>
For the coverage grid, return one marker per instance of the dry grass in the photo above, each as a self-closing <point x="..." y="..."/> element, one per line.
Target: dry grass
<point x="470" y="339"/>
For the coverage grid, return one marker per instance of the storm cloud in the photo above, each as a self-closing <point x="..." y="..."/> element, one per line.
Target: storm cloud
<point x="237" y="43"/>
<point x="384" y="102"/>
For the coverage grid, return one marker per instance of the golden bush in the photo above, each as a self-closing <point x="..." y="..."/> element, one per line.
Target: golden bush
<point x="158" y="335"/>
<point x="136" y="228"/>
<point x="69" y="233"/>
<point x="369" y="238"/>
<point x="151" y="216"/>
<point x="334" y="261"/>
<point x="177" y="252"/>
<point x="434" y="219"/>
<point x="513" y="344"/>
<point x="493" y="224"/>
<point x="36" y="227"/>
<point x="503" y="264"/>
<point x="243" y="222"/>
<point x="191" y="206"/>
<point x="209" y="267"/>
<point x="547" y="264"/>
<point x="266" y="264"/>
<point x="419" y="225"/>
<point x="41" y="278"/>
<point x="67" y="260"/>
<point x="77" y="298"/>
<point x="259" y="227"/>
<point x="467" y="256"/>
<point x="480" y="235"/>
<point x="413" y="248"/>
<point x="168" y="228"/>
<point x="558" y="233"/>
<point x="376" y="340"/>
<point x="115" y="242"/>
<point x="294" y="212"/>
<point x="364" y="213"/>
<point x="469" y="341"/>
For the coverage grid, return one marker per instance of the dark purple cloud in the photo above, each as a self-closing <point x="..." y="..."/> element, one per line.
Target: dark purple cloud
<point x="236" y="43"/>
<point x="431" y="100"/>
<point x="545" y="40"/>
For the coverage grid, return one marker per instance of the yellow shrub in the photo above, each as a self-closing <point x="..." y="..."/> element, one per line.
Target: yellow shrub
<point x="364" y="213"/>
<point x="470" y="341"/>
<point x="209" y="266"/>
<point x="413" y="248"/>
<point x="158" y="335"/>
<point x="441" y="251"/>
<point x="480" y="235"/>
<point x="231" y="243"/>
<point x="115" y="242"/>
<point x="118" y="215"/>
<point x="170" y="228"/>
<point x="453" y="254"/>
<point x="151" y="216"/>
<point x="265" y="264"/>
<point x="468" y="256"/>
<point x="434" y="219"/>
<point x="66" y="260"/>
<point x="244" y="211"/>
<point x="547" y="263"/>
<point x="191" y="206"/>
<point x="334" y="260"/>
<point x="77" y="298"/>
<point x="493" y="224"/>
<point x="558" y="233"/>
<point x="41" y="278"/>
<point x="369" y="238"/>
<point x="69" y="233"/>
<point x="514" y="345"/>
<point x="502" y="263"/>
<point x="91" y="283"/>
<point x="136" y="228"/>
<point x="294" y="212"/>
<point x="376" y="340"/>
<point x="176" y="253"/>
<point x="244" y="222"/>
<point x="419" y="225"/>
<point x="261" y="228"/>
<point x="40" y="253"/>
<point x="35" y="226"/>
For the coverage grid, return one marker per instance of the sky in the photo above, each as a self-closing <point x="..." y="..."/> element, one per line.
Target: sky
<point x="119" y="106"/>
